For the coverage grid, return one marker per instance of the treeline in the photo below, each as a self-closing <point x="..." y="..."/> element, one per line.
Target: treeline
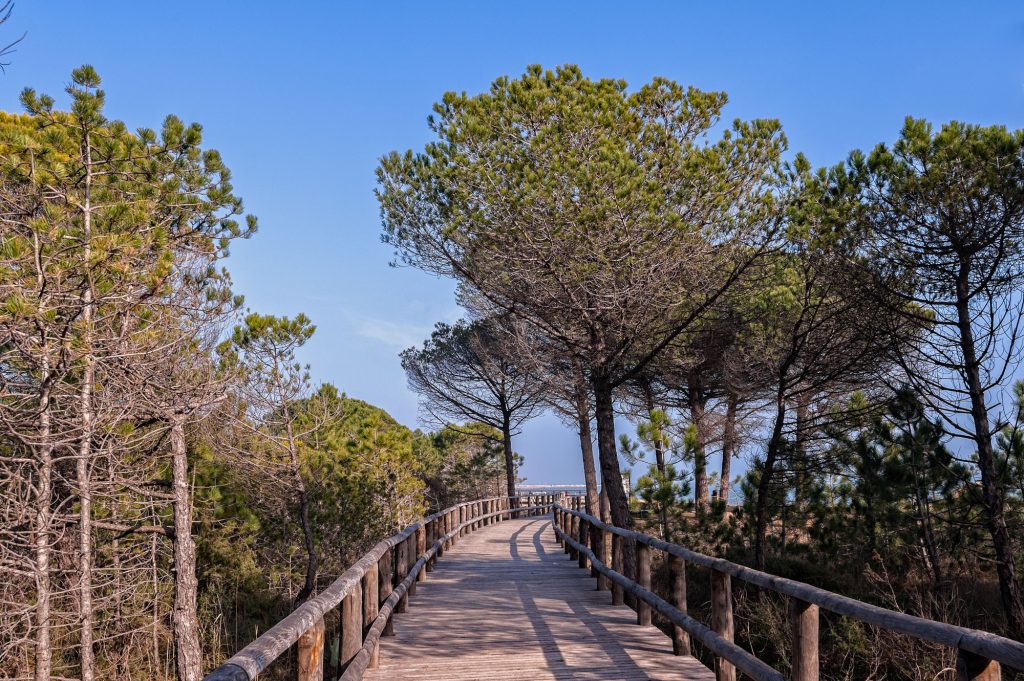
<point x="850" y="332"/>
<point x="172" y="481"/>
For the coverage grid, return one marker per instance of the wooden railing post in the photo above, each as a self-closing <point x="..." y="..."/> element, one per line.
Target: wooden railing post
<point x="971" y="667"/>
<point x="401" y="570"/>
<point x="311" y="653"/>
<point x="371" y="607"/>
<point x="680" y="639"/>
<point x="803" y="619"/>
<point x="618" y="597"/>
<point x="421" y="548"/>
<point x="602" y="549"/>
<point x="413" y="556"/>
<point x="574" y="532"/>
<point x="351" y="624"/>
<point x="431" y="537"/>
<point x="386" y="570"/>
<point x="567" y="521"/>
<point x="643" y="578"/>
<point x="721" y="620"/>
<point x="556" y="520"/>
<point x="584" y="539"/>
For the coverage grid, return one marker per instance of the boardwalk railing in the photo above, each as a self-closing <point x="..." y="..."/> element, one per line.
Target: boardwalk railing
<point x="376" y="586"/>
<point x="597" y="545"/>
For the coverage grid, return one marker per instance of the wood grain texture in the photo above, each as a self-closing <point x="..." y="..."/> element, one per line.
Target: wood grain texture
<point x="506" y="603"/>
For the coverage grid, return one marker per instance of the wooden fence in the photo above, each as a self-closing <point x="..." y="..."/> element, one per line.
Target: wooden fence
<point x="597" y="545"/>
<point x="376" y="586"/>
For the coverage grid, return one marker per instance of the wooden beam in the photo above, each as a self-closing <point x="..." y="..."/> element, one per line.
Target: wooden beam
<point x="584" y="538"/>
<point x="618" y="596"/>
<point x="680" y="639"/>
<point x="386" y="570"/>
<point x="401" y="569"/>
<point x="310" y="665"/>
<point x="604" y="550"/>
<point x="721" y="620"/>
<point x="643" y="580"/>
<point x="803" y="618"/>
<point x="371" y="606"/>
<point x="971" y="667"/>
<point x="351" y="625"/>
<point x="421" y="548"/>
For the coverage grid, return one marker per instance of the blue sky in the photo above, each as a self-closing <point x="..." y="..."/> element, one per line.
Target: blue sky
<point x="302" y="98"/>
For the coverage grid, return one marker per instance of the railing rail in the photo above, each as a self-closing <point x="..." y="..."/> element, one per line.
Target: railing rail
<point x="596" y="544"/>
<point x="374" y="588"/>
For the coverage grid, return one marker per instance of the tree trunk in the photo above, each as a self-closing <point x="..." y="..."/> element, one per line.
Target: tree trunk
<point x="991" y="490"/>
<point x="611" y="474"/>
<point x="586" y="443"/>
<point x="659" y="455"/>
<point x="728" y="447"/>
<point x="510" y="461"/>
<point x="924" y="521"/>
<point x="697" y="405"/>
<point x="83" y="464"/>
<point x="43" y="539"/>
<point x="800" y="452"/>
<point x="764" y="485"/>
<point x="312" y="561"/>
<point x="188" y="649"/>
<point x="42" y="531"/>
<point x="307" y="527"/>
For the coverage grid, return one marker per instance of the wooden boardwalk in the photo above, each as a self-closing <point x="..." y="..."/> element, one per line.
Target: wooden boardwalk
<point x="507" y="603"/>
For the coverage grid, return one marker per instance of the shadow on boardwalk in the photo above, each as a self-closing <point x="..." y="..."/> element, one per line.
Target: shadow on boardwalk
<point x="507" y="603"/>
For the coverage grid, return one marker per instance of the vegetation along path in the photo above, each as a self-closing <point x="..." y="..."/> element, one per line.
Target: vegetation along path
<point x="507" y="603"/>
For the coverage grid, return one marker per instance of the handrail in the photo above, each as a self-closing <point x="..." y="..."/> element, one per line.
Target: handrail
<point x="720" y="646"/>
<point x="976" y="649"/>
<point x="308" y="617"/>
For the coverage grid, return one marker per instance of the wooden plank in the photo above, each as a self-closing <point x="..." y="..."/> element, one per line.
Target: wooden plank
<point x="508" y="604"/>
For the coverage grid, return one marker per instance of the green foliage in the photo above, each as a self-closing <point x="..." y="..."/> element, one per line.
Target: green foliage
<point x="463" y="462"/>
<point x="361" y="471"/>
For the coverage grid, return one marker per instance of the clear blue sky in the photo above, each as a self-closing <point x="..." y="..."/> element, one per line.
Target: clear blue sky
<point x="303" y="97"/>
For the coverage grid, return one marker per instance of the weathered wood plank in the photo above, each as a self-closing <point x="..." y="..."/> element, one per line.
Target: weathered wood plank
<point x="507" y="603"/>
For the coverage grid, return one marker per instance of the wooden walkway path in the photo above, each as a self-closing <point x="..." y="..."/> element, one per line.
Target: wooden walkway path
<point x="507" y="603"/>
